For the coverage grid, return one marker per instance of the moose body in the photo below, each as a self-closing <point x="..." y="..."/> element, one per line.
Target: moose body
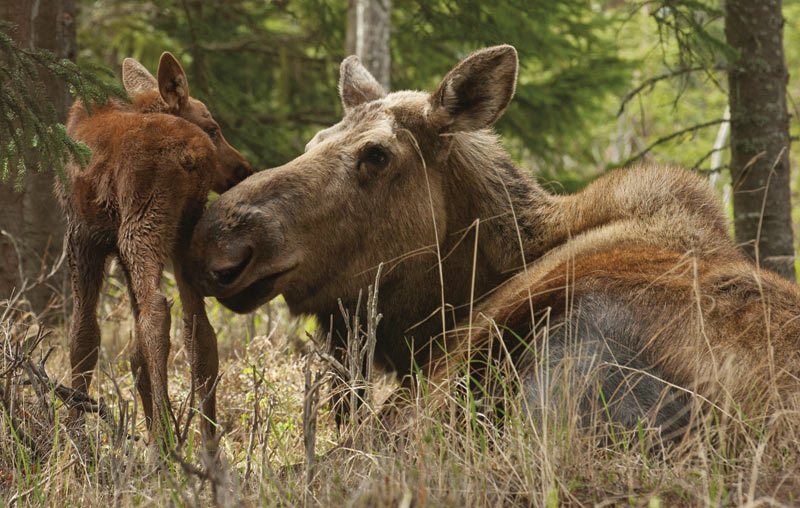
<point x="635" y="280"/>
<point x="153" y="164"/>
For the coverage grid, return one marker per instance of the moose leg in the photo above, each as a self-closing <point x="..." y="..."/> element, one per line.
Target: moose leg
<point x="86" y="263"/>
<point x="201" y="345"/>
<point x="143" y="265"/>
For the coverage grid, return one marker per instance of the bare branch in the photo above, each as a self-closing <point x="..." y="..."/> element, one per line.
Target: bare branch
<point x="674" y="135"/>
<point x="655" y="79"/>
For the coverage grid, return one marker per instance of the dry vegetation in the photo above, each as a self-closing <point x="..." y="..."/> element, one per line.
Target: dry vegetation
<point x="279" y="445"/>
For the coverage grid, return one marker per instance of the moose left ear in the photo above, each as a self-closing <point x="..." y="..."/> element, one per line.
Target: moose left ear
<point x="136" y="79"/>
<point x="356" y="84"/>
<point x="476" y="92"/>
<point x="172" y="82"/>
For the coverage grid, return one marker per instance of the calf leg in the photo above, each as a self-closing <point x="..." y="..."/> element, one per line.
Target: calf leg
<point x="201" y="345"/>
<point x="143" y="265"/>
<point x="142" y="378"/>
<point x="86" y="263"/>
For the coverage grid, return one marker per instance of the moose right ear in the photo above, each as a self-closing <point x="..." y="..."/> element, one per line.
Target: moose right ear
<point x="136" y="79"/>
<point x="172" y="82"/>
<point x="356" y="84"/>
<point x="476" y="92"/>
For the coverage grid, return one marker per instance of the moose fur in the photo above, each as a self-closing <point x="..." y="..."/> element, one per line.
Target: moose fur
<point x="153" y="164"/>
<point x="635" y="280"/>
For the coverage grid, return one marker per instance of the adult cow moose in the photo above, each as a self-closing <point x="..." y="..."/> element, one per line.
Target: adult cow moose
<point x="153" y="163"/>
<point x="635" y="281"/>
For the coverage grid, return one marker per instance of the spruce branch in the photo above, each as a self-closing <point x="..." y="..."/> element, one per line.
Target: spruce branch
<point x="30" y="133"/>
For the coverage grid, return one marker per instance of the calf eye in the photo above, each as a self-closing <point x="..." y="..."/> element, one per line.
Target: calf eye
<point x="213" y="132"/>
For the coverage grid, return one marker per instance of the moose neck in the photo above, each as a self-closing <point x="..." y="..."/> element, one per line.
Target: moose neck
<point x="495" y="212"/>
<point x="518" y="221"/>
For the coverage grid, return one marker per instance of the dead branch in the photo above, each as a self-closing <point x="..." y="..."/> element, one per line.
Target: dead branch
<point x="310" y="407"/>
<point x="26" y="283"/>
<point x="649" y="82"/>
<point x="674" y="135"/>
<point x="258" y="379"/>
<point x="16" y="426"/>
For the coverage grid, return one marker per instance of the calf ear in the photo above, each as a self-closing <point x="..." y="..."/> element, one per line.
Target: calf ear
<point x="136" y="79"/>
<point x="356" y="84"/>
<point x="476" y="92"/>
<point x="172" y="82"/>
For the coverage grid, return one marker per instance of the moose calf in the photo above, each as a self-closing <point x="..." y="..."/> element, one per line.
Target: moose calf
<point x="634" y="282"/>
<point x="153" y="164"/>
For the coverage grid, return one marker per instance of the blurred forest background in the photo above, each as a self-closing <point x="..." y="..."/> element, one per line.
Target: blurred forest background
<point x="602" y="83"/>
<point x="706" y="84"/>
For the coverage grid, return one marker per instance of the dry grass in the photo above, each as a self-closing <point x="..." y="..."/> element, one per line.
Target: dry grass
<point x="279" y="444"/>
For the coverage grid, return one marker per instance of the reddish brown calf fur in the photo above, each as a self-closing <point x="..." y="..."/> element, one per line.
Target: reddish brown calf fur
<point x="636" y="276"/>
<point x="153" y="164"/>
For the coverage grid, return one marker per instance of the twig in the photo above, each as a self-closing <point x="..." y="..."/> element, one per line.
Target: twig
<point x="194" y="411"/>
<point x="74" y="399"/>
<point x="257" y="380"/>
<point x="25" y="283"/>
<point x="193" y="359"/>
<point x="664" y="139"/>
<point x="20" y="495"/>
<point x="655" y="79"/>
<point x="310" y="405"/>
<point x="121" y="429"/>
<point x="37" y="384"/>
<point x="696" y="165"/>
<point x="368" y="351"/>
<point x="16" y="426"/>
<point x="764" y="204"/>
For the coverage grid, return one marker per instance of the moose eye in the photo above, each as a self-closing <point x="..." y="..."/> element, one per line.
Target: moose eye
<point x="375" y="156"/>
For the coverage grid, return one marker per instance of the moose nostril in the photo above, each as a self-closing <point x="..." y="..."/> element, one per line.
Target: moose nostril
<point x="226" y="276"/>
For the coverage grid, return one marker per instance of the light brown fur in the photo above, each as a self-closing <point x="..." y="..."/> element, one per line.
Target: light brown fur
<point x="153" y="163"/>
<point x="416" y="181"/>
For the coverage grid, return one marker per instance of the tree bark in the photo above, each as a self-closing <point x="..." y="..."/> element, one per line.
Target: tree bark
<point x="760" y="134"/>
<point x="33" y="216"/>
<point x="368" y="25"/>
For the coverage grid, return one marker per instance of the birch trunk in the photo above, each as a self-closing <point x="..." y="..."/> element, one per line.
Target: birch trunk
<point x="368" y="25"/>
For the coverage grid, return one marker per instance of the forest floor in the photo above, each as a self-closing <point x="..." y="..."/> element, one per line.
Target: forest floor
<point x="279" y="446"/>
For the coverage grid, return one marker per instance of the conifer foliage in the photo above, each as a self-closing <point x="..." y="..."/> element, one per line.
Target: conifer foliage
<point x="30" y="134"/>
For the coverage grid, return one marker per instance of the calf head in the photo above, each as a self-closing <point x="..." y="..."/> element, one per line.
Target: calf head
<point x="375" y="188"/>
<point x="170" y="94"/>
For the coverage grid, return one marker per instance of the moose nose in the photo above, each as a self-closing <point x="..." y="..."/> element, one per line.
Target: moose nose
<point x="235" y="263"/>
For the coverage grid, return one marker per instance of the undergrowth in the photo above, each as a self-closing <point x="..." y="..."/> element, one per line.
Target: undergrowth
<point x="278" y="444"/>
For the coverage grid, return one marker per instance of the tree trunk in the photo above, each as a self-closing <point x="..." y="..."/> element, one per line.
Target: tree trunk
<point x="368" y="24"/>
<point x="33" y="217"/>
<point x="760" y="134"/>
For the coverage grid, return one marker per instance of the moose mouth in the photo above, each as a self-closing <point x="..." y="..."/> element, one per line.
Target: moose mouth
<point x="254" y="295"/>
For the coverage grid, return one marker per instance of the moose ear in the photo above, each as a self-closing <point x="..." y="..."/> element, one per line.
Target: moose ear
<point x="476" y="92"/>
<point x="172" y="82"/>
<point x="136" y="79"/>
<point x="356" y="84"/>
